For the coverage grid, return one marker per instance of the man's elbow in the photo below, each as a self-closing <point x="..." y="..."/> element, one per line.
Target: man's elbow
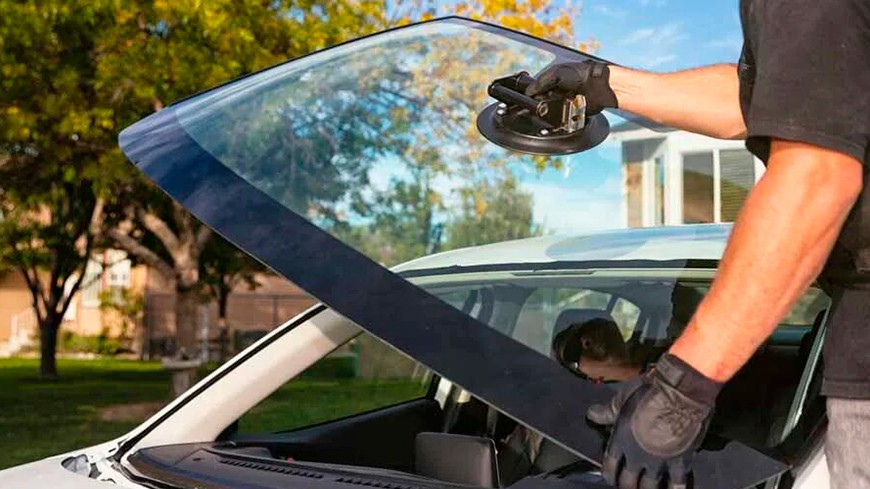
<point x="827" y="174"/>
<point x="735" y="132"/>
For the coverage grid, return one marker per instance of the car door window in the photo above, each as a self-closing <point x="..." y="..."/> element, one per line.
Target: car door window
<point x="362" y="375"/>
<point x="626" y="315"/>
<point x="538" y="316"/>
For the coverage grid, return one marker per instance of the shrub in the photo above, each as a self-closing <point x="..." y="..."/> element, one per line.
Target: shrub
<point x="99" y="345"/>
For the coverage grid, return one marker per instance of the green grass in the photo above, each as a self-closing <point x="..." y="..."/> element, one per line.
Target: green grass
<point x="306" y="402"/>
<point x="40" y="418"/>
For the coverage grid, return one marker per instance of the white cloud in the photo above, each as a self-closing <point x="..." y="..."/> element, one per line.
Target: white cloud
<point x="657" y="61"/>
<point x="638" y="36"/>
<point x="609" y="11"/>
<point x="664" y="35"/>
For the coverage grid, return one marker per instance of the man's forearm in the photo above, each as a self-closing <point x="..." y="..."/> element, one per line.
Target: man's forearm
<point x="702" y="100"/>
<point x="779" y="245"/>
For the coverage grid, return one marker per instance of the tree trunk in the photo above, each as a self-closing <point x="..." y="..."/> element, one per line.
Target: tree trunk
<point x="186" y="321"/>
<point x="48" y="348"/>
<point x="223" y="326"/>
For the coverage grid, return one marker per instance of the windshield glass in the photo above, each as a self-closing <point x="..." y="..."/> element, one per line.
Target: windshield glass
<point x="331" y="167"/>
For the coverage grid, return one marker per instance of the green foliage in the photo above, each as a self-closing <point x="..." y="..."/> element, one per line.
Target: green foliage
<point x="490" y="212"/>
<point x="129" y="307"/>
<point x="223" y="267"/>
<point x="74" y="72"/>
<point x="402" y="221"/>
<point x="98" y="345"/>
<point x="58" y="155"/>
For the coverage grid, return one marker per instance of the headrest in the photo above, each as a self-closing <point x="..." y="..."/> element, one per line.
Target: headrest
<point x="565" y="347"/>
<point x="460" y="459"/>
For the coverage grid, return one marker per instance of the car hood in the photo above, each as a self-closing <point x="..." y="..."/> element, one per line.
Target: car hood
<point x="290" y="164"/>
<point x="48" y="473"/>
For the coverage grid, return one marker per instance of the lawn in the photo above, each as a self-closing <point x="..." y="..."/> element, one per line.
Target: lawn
<point x="39" y="418"/>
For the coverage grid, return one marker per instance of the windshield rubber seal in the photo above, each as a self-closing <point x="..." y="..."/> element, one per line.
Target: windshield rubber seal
<point x="579" y="266"/>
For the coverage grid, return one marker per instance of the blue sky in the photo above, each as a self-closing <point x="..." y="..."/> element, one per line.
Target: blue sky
<point x="662" y="35"/>
<point x="658" y="35"/>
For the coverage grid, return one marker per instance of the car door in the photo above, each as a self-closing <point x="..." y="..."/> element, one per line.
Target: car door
<point x="291" y="165"/>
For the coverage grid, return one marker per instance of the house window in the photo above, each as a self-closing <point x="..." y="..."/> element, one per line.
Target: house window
<point x="634" y="193"/>
<point x="90" y="288"/>
<point x="716" y="184"/>
<point x="659" y="190"/>
<point x="698" y="188"/>
<point x="119" y="272"/>
<point x="738" y="176"/>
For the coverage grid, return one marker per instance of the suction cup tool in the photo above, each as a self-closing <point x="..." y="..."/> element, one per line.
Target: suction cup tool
<point x="553" y="125"/>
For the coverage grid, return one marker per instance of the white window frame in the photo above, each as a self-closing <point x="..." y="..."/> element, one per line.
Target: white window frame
<point x="671" y="150"/>
<point x="681" y="143"/>
<point x="93" y="280"/>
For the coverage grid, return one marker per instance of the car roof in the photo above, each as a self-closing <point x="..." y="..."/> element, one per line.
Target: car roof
<point x="702" y="242"/>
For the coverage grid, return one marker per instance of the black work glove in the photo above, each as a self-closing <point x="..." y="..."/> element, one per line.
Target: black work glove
<point x="589" y="78"/>
<point x="660" y="420"/>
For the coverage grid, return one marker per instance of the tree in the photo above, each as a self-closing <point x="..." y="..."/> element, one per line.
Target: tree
<point x="75" y="72"/>
<point x="223" y="267"/>
<point x="404" y="220"/>
<point x="58" y="156"/>
<point x="161" y="51"/>
<point x="490" y="212"/>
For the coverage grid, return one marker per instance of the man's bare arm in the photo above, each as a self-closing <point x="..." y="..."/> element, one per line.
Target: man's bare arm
<point x="779" y="245"/>
<point x="703" y="100"/>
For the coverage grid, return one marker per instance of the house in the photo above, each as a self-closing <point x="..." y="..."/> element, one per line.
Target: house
<point x="675" y="177"/>
<point x="110" y="273"/>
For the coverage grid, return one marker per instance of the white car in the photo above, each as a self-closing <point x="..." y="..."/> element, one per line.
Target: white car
<point x="273" y="161"/>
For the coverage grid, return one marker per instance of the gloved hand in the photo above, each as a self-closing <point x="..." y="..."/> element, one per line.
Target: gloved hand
<point x="660" y="420"/>
<point x="589" y="78"/>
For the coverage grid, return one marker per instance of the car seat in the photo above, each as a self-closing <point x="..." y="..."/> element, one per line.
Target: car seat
<point x="513" y="456"/>
<point x="459" y="459"/>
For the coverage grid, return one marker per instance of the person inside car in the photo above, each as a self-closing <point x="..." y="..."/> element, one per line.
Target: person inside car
<point x="603" y="353"/>
<point x="593" y="349"/>
<point x="799" y="99"/>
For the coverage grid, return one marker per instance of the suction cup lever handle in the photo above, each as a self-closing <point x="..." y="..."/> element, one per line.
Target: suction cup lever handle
<point x="513" y="97"/>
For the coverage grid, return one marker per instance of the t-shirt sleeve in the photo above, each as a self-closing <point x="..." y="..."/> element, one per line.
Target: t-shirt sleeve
<point x="812" y="75"/>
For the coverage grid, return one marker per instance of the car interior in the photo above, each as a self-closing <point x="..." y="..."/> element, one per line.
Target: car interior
<point x="450" y="436"/>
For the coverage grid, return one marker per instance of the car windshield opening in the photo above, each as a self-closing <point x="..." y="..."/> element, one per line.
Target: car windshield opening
<point x="358" y="172"/>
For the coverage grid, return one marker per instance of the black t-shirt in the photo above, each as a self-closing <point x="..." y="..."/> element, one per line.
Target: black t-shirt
<point x="805" y="76"/>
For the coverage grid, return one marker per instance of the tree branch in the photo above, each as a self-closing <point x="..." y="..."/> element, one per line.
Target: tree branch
<point x="67" y="298"/>
<point x="96" y="224"/>
<point x="35" y="292"/>
<point x="184" y="222"/>
<point x="203" y="235"/>
<point x="134" y="248"/>
<point x="160" y="229"/>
